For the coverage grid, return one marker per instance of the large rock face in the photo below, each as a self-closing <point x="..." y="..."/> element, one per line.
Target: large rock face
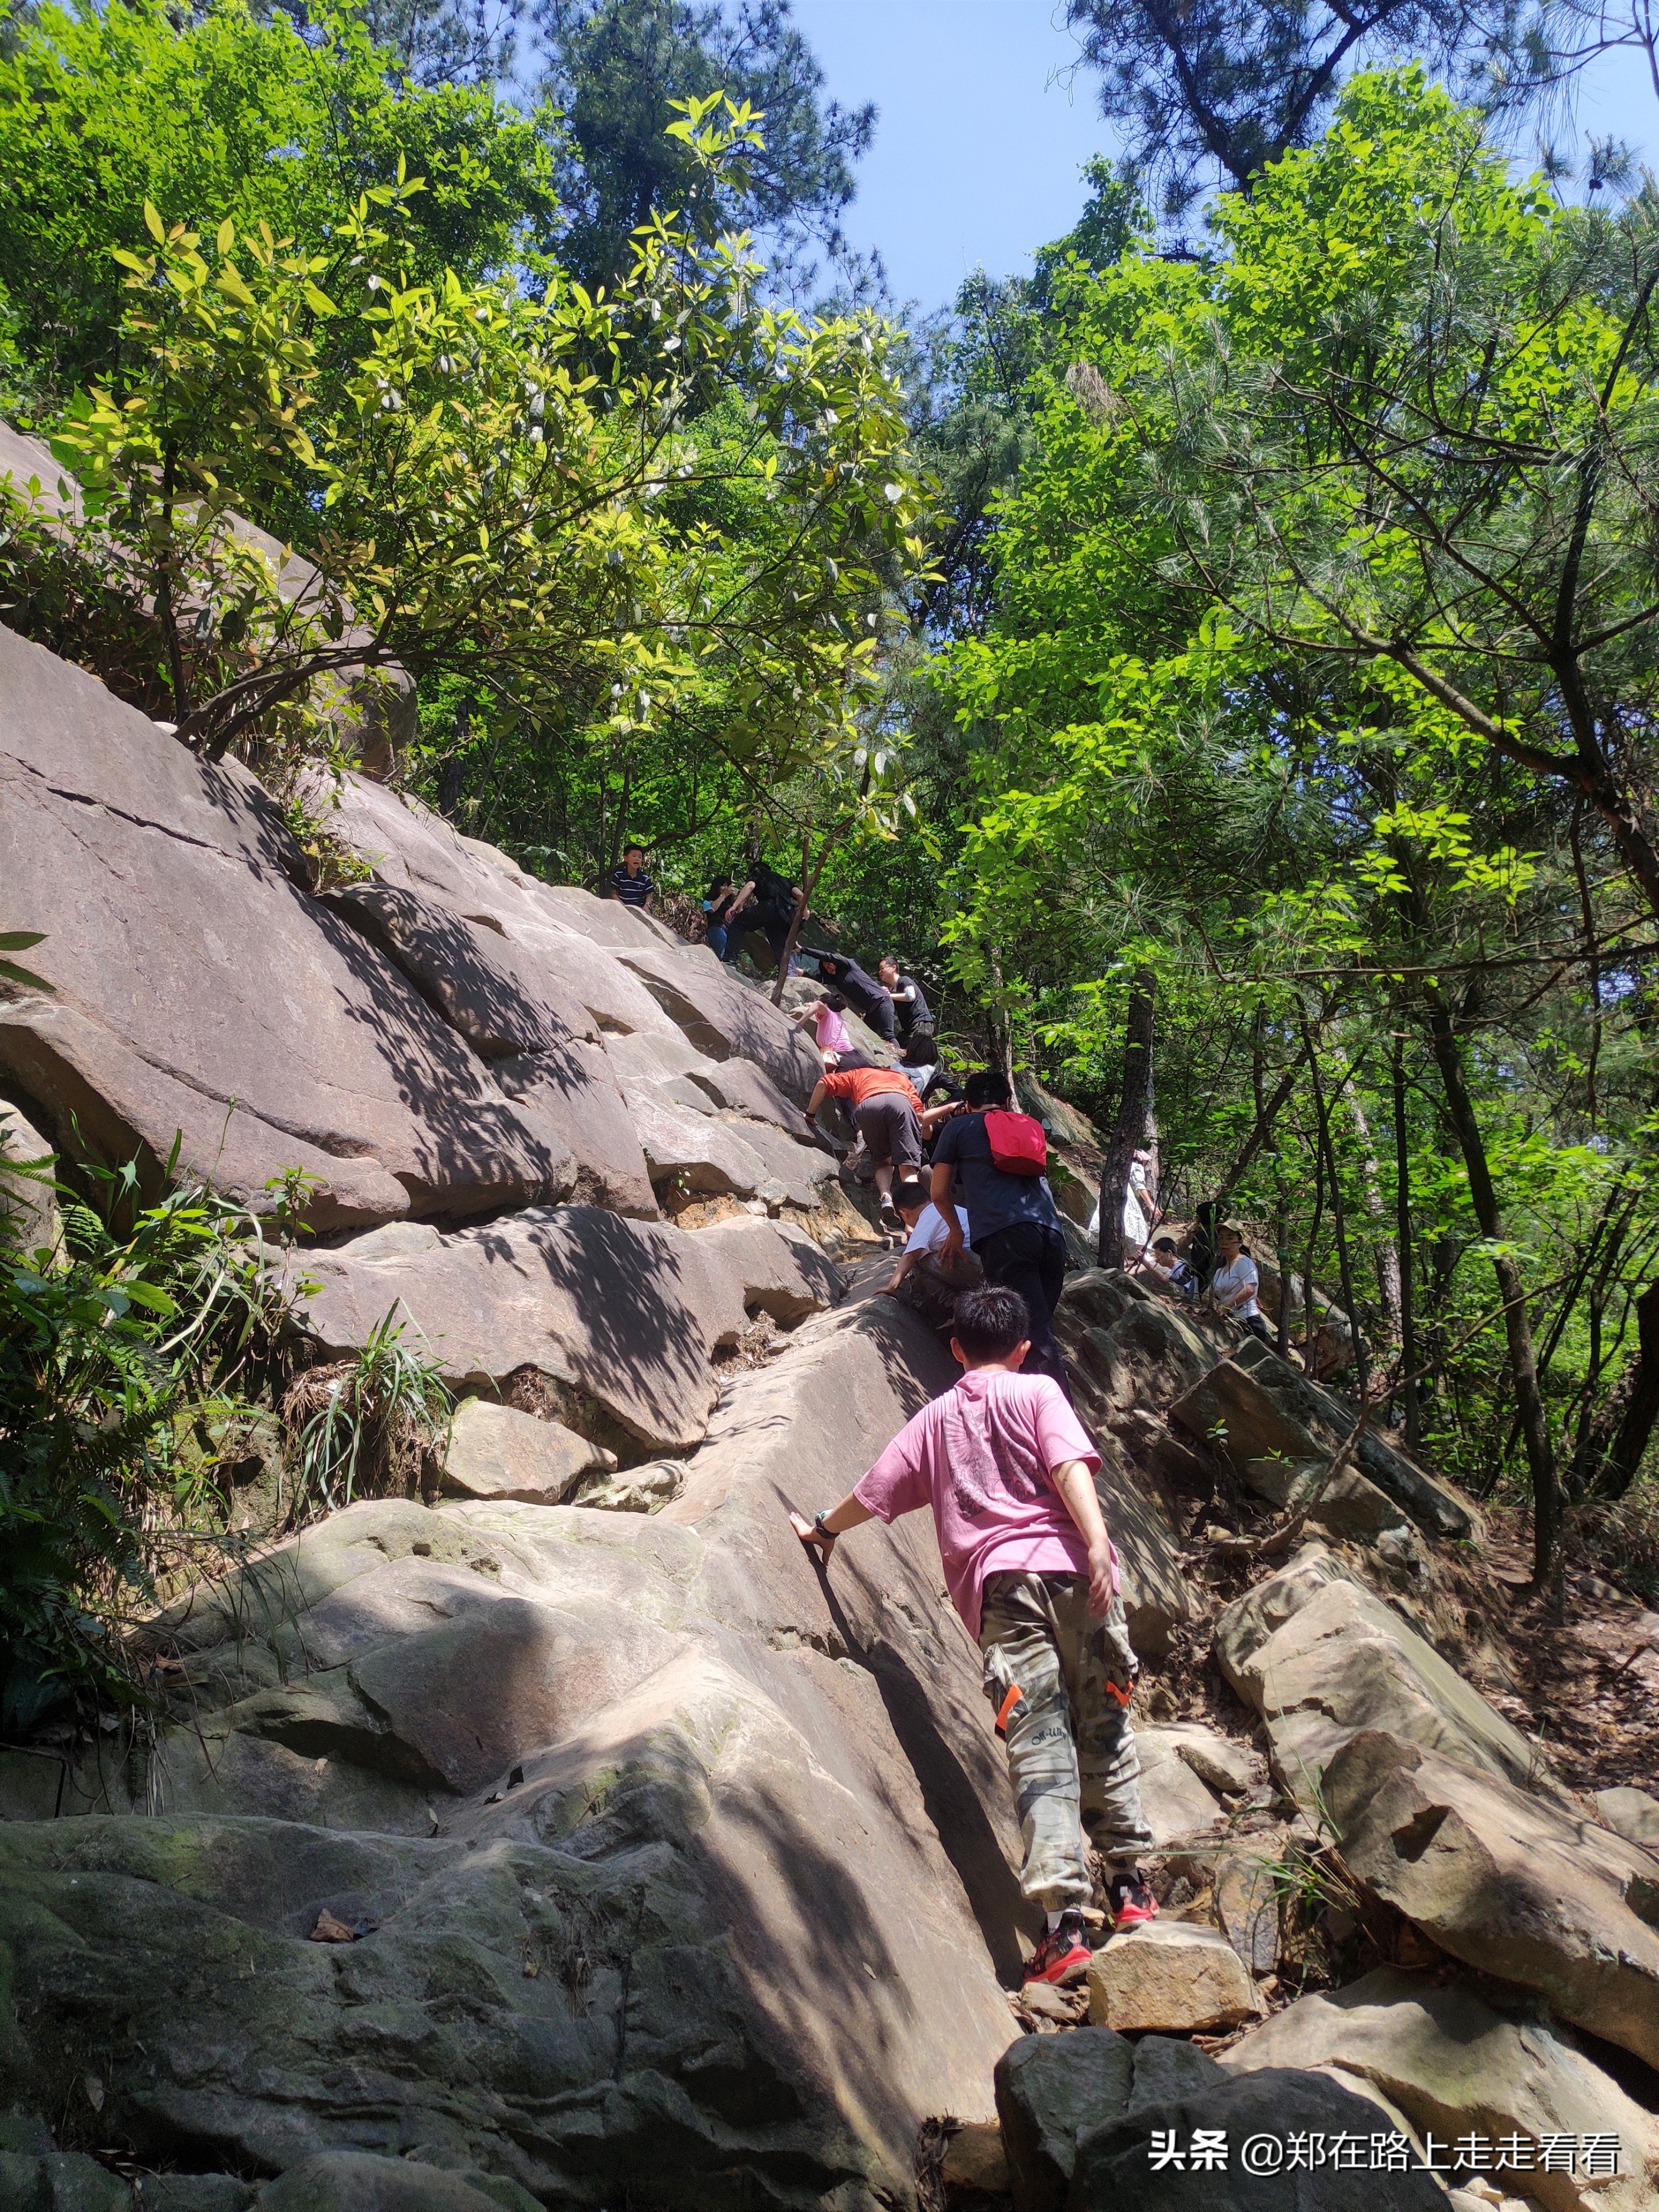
<point x="1508" y="1883"/>
<point x="1256" y="1406"/>
<point x="1456" y="2068"/>
<point x="626" y="1313"/>
<point x="425" y="1044"/>
<point x="522" y="1851"/>
<point x="656" y="1901"/>
<point x="1321" y="1658"/>
<point x="198" y="991"/>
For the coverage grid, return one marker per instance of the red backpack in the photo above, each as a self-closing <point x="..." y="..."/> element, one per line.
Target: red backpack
<point x="1018" y="1144"/>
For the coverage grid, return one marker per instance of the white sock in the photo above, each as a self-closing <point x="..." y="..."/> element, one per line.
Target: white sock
<point x="1053" y="1920"/>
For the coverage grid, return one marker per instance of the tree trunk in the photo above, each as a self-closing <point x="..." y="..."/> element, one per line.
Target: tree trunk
<point x="1267" y="1114"/>
<point x="1284" y="1259"/>
<point x="1339" y="1223"/>
<point x="809" y="884"/>
<point x="1387" y="1252"/>
<point x="1135" y="1125"/>
<point x="1610" y="1458"/>
<point x="1403" y="1232"/>
<point x="1313" y="1255"/>
<point x="1517" y="1326"/>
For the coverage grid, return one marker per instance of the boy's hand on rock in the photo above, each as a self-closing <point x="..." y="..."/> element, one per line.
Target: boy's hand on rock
<point x="814" y="1538"/>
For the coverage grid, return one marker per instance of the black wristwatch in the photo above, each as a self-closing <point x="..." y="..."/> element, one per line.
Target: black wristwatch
<point x="819" y="1529"/>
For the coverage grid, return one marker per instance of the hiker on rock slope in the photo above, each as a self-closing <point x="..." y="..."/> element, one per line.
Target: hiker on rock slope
<point x="1009" y="1473"/>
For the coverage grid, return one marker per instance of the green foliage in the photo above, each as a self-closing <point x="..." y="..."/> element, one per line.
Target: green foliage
<point x="618" y="69"/>
<point x="1278" y="701"/>
<point x="1214" y="93"/>
<point x="230" y="114"/>
<point x="663" y="503"/>
<point x="142" y="1320"/>
<point x="365" y="1425"/>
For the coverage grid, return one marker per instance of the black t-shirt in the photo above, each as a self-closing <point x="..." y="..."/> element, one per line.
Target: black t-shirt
<point x="994" y="1200"/>
<point x="912" y="1013"/>
<point x="632" y="891"/>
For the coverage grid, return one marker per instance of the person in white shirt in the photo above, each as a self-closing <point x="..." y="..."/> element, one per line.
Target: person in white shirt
<point x="1235" y="1283"/>
<point x="931" y="1285"/>
<point x="1141" y="1212"/>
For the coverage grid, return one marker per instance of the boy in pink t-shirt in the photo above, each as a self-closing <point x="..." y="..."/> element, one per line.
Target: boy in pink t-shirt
<point x="1009" y="1473"/>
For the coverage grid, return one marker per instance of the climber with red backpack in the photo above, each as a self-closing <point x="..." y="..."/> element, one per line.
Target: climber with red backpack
<point x="1002" y="1157"/>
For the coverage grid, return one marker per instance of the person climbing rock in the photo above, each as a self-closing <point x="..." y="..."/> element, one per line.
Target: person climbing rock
<point x="912" y="1015"/>
<point x="888" y="1115"/>
<point x="918" y="1279"/>
<point x="765" y="902"/>
<point x="1017" y="1226"/>
<point x="1234" y="1285"/>
<point x="868" y="999"/>
<point x="830" y="1032"/>
<point x="1165" y="1263"/>
<point x="1009" y="1473"/>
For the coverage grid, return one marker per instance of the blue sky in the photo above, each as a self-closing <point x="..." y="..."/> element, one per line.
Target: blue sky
<point x="979" y="143"/>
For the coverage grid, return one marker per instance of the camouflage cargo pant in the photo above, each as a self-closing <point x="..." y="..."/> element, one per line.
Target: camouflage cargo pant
<point x="1071" y="1756"/>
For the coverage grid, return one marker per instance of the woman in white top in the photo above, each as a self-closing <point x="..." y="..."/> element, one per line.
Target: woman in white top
<point x="1141" y="1212"/>
<point x="1235" y="1283"/>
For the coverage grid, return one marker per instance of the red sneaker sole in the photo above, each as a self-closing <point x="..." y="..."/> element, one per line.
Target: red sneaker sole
<point x="1070" y="1968"/>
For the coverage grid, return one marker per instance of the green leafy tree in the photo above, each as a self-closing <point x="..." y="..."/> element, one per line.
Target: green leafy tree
<point x="239" y="115"/>
<point x="1267" y="710"/>
<point x="619" y="69"/>
<point x="667" y="499"/>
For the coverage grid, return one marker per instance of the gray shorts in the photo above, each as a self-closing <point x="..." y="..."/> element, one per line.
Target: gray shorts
<point x="889" y="1125"/>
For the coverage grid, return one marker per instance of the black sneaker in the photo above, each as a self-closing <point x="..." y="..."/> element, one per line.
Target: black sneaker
<point x="1129" y="1899"/>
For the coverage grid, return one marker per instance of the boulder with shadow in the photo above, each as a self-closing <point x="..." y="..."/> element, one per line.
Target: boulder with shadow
<point x="628" y="1314"/>
<point x="198" y="993"/>
<point x="1459" y="2067"/>
<point x="1512" y="1884"/>
<point x="1322" y="1658"/>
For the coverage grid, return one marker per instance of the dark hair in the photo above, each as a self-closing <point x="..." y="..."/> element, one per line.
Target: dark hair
<point x="626" y="850"/>
<point x="887" y="956"/>
<point x="1163" y="1244"/>
<point x="909" y="1190"/>
<point x="990" y="1322"/>
<point x="847" y="1061"/>
<point x="835" y="1001"/>
<point x="986" y="1087"/>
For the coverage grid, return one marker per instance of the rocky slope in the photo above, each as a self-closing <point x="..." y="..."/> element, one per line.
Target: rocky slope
<point x="514" y="1851"/>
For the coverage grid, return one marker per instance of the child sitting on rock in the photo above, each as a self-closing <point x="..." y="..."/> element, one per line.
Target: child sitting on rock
<point x="1009" y="1473"/>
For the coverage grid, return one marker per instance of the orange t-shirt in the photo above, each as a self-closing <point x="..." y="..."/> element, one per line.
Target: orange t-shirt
<point x="859" y="1084"/>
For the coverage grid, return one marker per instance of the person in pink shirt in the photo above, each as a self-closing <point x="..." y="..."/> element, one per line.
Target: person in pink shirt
<point x="1008" y="1470"/>
<point x="832" y="1035"/>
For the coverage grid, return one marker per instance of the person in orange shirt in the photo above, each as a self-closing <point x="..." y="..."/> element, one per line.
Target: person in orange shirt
<point x="889" y="1117"/>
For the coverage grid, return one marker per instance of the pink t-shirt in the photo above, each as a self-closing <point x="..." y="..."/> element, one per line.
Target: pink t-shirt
<point x="980" y="1456"/>
<point x="833" y="1033"/>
